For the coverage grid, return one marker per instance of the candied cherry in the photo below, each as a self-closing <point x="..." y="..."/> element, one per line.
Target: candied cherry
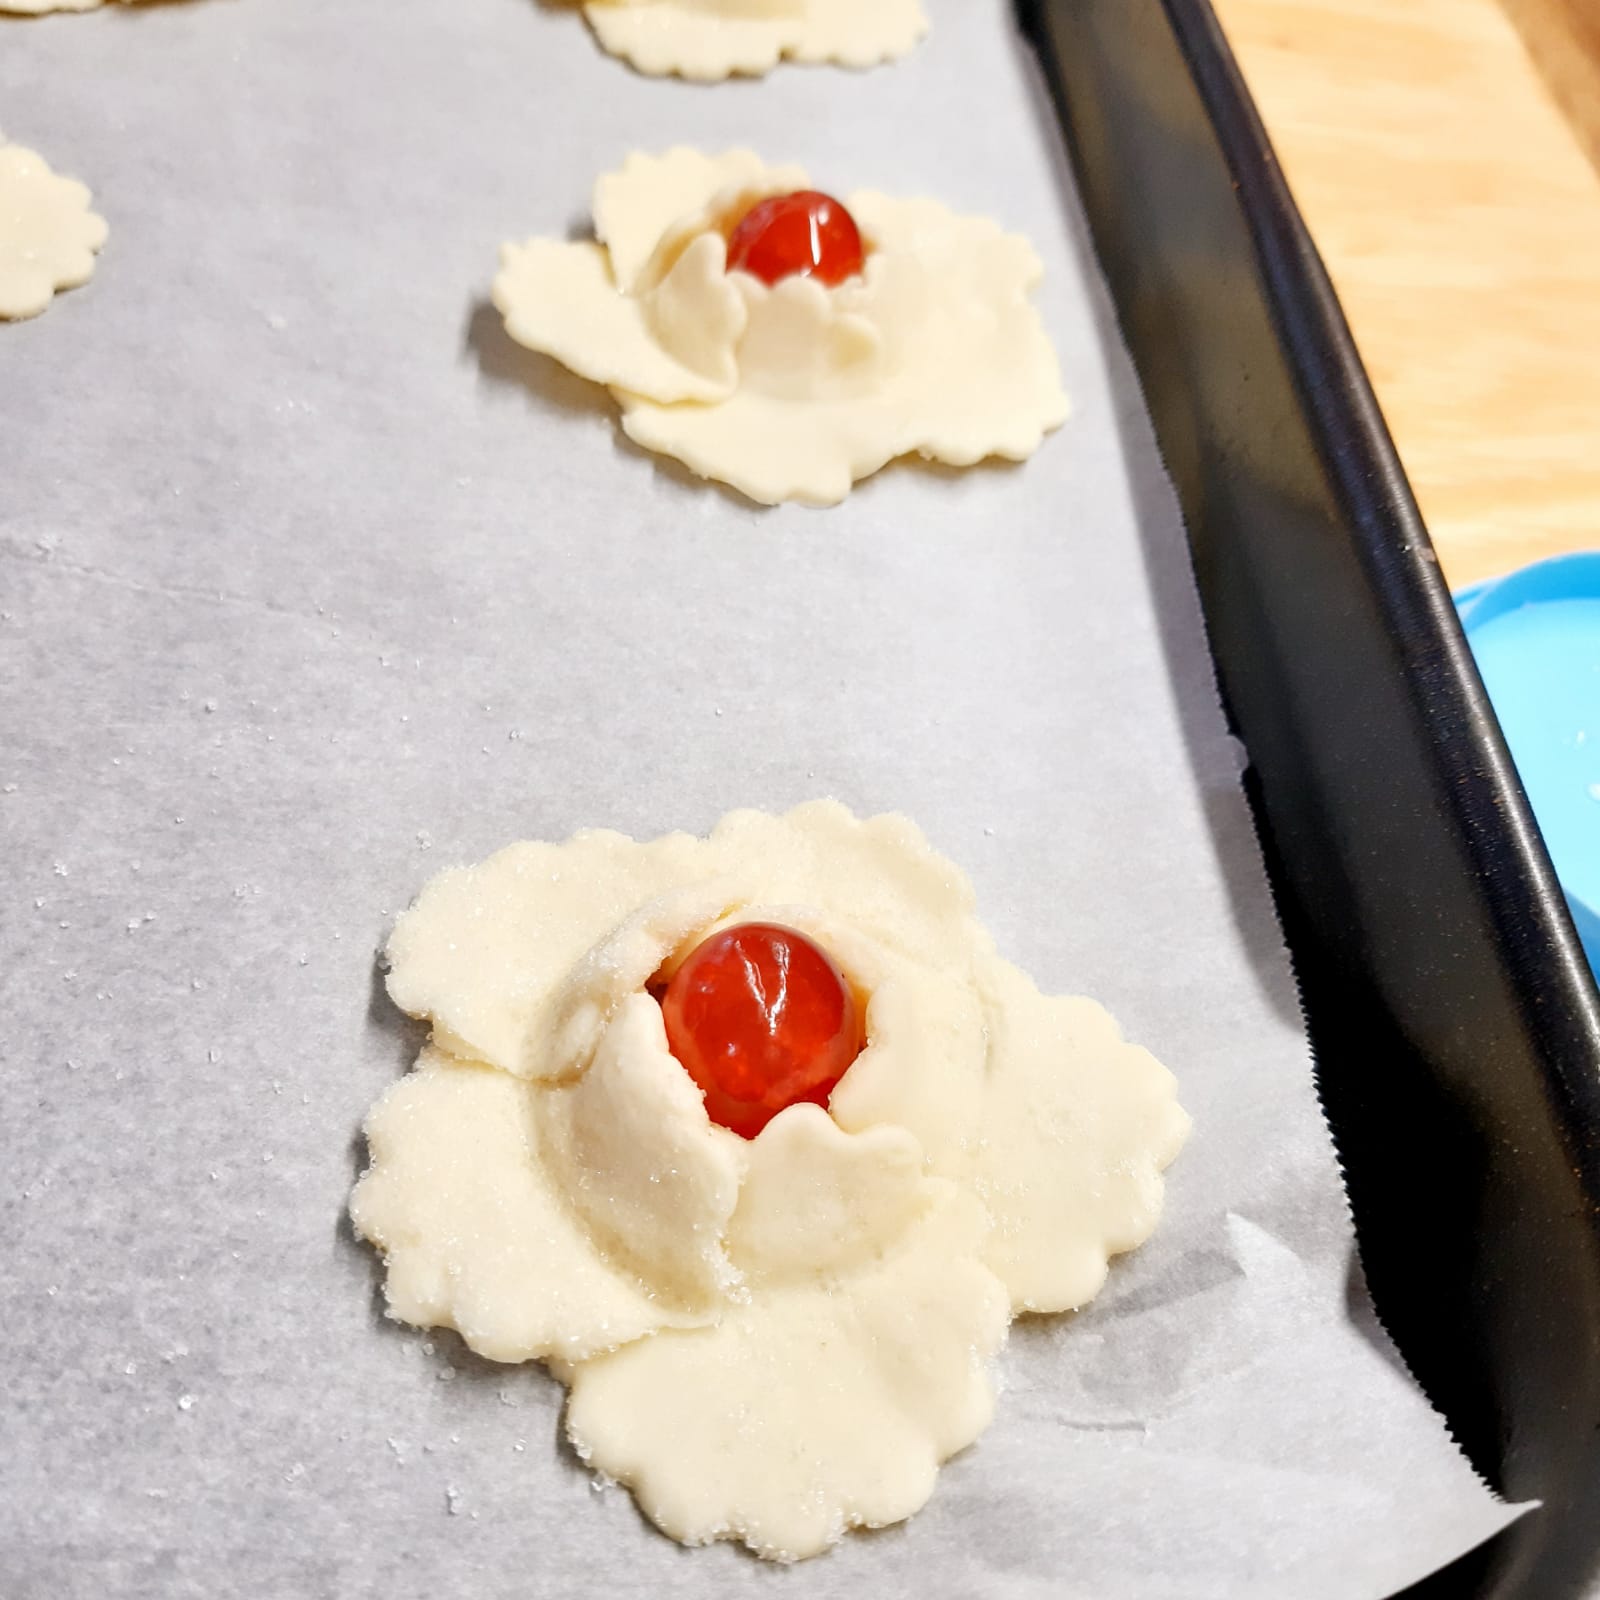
<point x="807" y="234"/>
<point x="761" y="1018"/>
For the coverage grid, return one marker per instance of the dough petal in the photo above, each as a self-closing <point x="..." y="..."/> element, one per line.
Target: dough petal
<point x="48" y="235"/>
<point x="563" y="1033"/>
<point x="484" y="946"/>
<point x="818" y="1201"/>
<point x="708" y="40"/>
<point x="37" y="8"/>
<point x="770" y="450"/>
<point x="974" y="373"/>
<point x="1077" y="1127"/>
<point x="630" y="1145"/>
<point x="647" y="195"/>
<point x="877" y="875"/>
<point x="813" y="1408"/>
<point x="923" y="1068"/>
<point x="859" y="33"/>
<point x="678" y="37"/>
<point x="697" y="313"/>
<point x="474" y="1232"/>
<point x="561" y="300"/>
<point x="801" y="344"/>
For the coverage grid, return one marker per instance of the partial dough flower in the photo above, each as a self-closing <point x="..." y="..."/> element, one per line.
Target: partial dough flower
<point x="774" y="1339"/>
<point x="48" y="234"/>
<point x="790" y="392"/>
<point x="37" y="8"/>
<point x="712" y="39"/>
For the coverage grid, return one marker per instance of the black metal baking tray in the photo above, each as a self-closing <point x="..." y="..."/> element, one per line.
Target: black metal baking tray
<point x="1454" y="1021"/>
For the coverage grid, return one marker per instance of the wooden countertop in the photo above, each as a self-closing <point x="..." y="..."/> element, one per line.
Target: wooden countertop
<point x="1459" y="214"/>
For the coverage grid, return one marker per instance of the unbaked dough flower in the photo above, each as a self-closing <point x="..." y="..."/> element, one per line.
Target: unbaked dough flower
<point x="712" y="39"/>
<point x="37" y="8"/>
<point x="790" y="391"/>
<point x="768" y="1339"/>
<point x="48" y="234"/>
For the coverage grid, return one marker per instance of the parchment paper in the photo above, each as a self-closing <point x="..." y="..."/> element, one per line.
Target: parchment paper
<point x="313" y="583"/>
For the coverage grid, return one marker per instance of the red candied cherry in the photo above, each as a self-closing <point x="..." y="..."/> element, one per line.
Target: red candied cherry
<point x="761" y="1019"/>
<point x="807" y="234"/>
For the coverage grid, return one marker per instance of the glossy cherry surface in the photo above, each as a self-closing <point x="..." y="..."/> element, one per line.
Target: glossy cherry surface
<point x="807" y="234"/>
<point x="761" y="1018"/>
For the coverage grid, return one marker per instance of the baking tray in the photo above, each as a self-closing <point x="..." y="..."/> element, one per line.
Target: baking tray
<point x="1454" y="1020"/>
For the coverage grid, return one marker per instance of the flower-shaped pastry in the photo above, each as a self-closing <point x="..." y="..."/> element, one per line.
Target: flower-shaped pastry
<point x="48" y="234"/>
<point x="712" y="39"/>
<point x="772" y="1338"/>
<point x="782" y="380"/>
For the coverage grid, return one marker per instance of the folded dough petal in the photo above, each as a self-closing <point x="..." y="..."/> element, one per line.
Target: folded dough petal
<point x="561" y="300"/>
<point x="475" y="1229"/>
<point x="800" y="343"/>
<point x="565" y="1028"/>
<point x="697" y="313"/>
<point x="484" y="946"/>
<point x="811" y="1409"/>
<point x="1077" y="1127"/>
<point x="818" y="1202"/>
<point x="636" y="205"/>
<point x="630" y="1146"/>
<point x="923" y="1068"/>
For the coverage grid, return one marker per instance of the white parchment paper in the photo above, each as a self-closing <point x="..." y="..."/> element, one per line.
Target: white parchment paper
<point x="312" y="583"/>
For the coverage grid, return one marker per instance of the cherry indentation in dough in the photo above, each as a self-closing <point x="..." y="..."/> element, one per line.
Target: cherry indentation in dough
<point x="807" y="234"/>
<point x="761" y="1018"/>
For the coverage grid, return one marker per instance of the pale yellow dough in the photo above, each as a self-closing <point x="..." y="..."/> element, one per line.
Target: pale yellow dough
<point x="796" y="391"/>
<point x="775" y="1339"/>
<point x="37" y="8"/>
<point x="713" y="39"/>
<point x="48" y="234"/>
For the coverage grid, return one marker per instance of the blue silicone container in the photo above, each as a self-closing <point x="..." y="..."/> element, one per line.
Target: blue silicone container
<point x="1535" y="635"/>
